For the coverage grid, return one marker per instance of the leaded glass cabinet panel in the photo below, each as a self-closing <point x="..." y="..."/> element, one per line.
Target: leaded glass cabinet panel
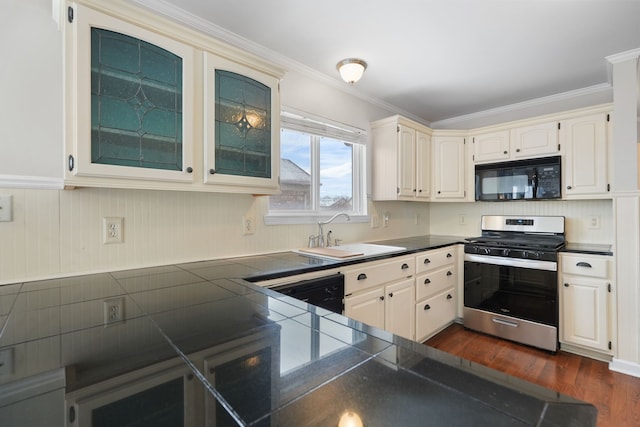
<point x="241" y="126"/>
<point x="132" y="101"/>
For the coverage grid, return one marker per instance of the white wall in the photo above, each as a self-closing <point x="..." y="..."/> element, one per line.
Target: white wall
<point x="31" y="87"/>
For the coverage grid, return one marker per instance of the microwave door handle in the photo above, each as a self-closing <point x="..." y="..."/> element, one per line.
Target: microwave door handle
<point x="534" y="183"/>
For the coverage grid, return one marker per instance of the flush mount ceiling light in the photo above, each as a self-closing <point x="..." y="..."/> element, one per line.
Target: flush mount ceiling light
<point x="351" y="69"/>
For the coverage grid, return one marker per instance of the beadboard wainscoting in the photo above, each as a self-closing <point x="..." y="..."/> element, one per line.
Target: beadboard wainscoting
<point x="59" y="232"/>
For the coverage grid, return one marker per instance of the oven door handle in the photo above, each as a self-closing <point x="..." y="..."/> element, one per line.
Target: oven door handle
<point x="512" y="262"/>
<point x="504" y="322"/>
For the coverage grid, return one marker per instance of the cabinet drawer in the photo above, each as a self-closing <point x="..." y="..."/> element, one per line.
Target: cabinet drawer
<point x="586" y="266"/>
<point x="435" y="259"/>
<point x="433" y="282"/>
<point x="373" y="274"/>
<point x="435" y="313"/>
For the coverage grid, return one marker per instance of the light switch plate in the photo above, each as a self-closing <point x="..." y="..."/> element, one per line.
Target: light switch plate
<point x="6" y="208"/>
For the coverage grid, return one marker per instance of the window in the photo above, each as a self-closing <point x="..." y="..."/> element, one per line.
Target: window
<point x="321" y="170"/>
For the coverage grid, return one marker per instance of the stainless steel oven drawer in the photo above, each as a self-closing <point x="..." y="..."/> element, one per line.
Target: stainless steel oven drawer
<point x="519" y="330"/>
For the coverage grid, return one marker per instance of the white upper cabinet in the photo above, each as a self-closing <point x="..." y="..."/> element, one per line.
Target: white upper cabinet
<point x="449" y="162"/>
<point x="585" y="170"/>
<point x="491" y="147"/>
<point x="129" y="102"/>
<point x="537" y="140"/>
<point x="136" y="115"/>
<point x="401" y="160"/>
<point x="242" y="126"/>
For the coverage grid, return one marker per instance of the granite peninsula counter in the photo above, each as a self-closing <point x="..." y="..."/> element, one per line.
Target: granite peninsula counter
<point x="200" y="346"/>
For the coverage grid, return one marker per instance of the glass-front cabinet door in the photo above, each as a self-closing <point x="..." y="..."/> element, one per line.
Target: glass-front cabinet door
<point x="242" y="126"/>
<point x="130" y="101"/>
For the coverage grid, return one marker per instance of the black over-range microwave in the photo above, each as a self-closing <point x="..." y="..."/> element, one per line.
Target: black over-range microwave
<point x="529" y="179"/>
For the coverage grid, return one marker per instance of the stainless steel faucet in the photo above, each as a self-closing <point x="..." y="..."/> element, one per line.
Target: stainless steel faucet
<point x="321" y="240"/>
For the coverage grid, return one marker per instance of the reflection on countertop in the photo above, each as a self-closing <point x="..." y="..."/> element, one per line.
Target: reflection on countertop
<point x="193" y="344"/>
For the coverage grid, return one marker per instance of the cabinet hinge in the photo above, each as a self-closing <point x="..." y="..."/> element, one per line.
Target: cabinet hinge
<point x="473" y="140"/>
<point x="397" y="190"/>
<point x="398" y="128"/>
<point x="70" y="14"/>
<point x="473" y="157"/>
<point x="608" y="187"/>
<point x="558" y="147"/>
<point x="464" y="141"/>
<point x="558" y="125"/>
<point x="609" y="345"/>
<point x="608" y="117"/>
<point x="609" y="287"/>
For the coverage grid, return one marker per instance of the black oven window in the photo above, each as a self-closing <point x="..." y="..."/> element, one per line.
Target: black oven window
<point x="521" y="292"/>
<point x="159" y="406"/>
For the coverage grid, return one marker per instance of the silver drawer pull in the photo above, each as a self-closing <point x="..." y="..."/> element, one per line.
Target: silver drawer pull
<point x="583" y="264"/>
<point x="504" y="322"/>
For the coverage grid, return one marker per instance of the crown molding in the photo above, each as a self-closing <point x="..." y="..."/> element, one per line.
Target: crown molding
<point x="560" y="97"/>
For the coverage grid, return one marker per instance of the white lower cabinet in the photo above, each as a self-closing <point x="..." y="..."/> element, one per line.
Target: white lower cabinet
<point x="586" y="302"/>
<point x="436" y="291"/>
<point x="381" y="294"/>
<point x="435" y="313"/>
<point x="413" y="296"/>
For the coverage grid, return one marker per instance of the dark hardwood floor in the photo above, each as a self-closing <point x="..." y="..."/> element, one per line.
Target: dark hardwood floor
<point x="617" y="396"/>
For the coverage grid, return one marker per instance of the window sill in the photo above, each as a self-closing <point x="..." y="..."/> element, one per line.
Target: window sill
<point x="290" y="219"/>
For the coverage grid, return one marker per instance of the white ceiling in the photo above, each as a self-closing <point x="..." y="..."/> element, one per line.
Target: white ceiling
<point x="433" y="60"/>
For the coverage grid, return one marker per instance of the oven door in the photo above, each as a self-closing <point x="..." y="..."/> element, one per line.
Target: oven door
<point x="519" y="288"/>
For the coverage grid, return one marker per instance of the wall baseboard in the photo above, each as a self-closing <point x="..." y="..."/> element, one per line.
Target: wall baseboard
<point x="625" y="367"/>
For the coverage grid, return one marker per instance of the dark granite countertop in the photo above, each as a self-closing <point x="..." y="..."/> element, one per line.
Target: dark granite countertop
<point x="209" y="345"/>
<point x="588" y="248"/>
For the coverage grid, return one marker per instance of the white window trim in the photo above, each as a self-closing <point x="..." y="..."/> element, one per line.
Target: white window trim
<point x="298" y="121"/>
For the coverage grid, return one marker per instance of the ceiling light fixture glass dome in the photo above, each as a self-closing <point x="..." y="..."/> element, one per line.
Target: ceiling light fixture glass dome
<point x="351" y="69"/>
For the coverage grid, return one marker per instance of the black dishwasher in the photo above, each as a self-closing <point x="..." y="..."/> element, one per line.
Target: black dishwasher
<point x="326" y="292"/>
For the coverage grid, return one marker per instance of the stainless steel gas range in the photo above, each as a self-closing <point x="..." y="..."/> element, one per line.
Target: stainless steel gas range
<point x="511" y="279"/>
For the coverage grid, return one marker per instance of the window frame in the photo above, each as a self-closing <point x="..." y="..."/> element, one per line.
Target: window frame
<point x="318" y="128"/>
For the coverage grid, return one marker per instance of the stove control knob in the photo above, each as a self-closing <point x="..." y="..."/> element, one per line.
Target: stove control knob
<point x="506" y="252"/>
<point x="486" y="251"/>
<point x="534" y="255"/>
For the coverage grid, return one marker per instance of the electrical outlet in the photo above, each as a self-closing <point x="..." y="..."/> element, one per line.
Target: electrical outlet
<point x="6" y="362"/>
<point x="248" y="224"/>
<point x="112" y="230"/>
<point x="113" y="310"/>
<point x="375" y="221"/>
<point x="594" y="222"/>
<point x="6" y="208"/>
<point x="461" y="219"/>
<point x="385" y="220"/>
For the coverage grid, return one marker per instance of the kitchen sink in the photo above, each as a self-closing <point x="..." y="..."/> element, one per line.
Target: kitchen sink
<point x="350" y="251"/>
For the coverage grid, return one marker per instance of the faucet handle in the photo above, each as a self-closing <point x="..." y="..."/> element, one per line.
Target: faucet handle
<point x="336" y="242"/>
<point x="313" y="241"/>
